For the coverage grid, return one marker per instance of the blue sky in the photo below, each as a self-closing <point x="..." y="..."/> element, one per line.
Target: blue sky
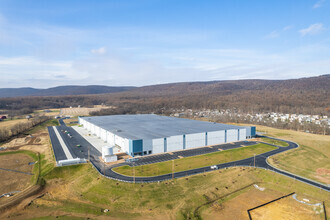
<point x="142" y="42"/>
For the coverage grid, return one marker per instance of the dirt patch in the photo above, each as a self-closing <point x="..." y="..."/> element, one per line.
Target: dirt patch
<point x="289" y="209"/>
<point x="323" y="175"/>
<point x="37" y="142"/>
<point x="14" y="181"/>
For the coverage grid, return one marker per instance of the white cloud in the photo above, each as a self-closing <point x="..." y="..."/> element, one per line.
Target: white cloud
<point x="286" y="28"/>
<point x="273" y="34"/>
<point x="313" y="29"/>
<point x="99" y="51"/>
<point x="318" y="4"/>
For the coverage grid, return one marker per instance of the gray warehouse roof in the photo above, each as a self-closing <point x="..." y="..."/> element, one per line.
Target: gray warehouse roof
<point x="150" y="126"/>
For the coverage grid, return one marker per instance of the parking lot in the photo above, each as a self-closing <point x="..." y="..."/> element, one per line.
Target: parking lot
<point x="188" y="153"/>
<point x="77" y="146"/>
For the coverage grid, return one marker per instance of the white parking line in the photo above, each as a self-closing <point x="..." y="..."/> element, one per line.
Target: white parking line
<point x="64" y="147"/>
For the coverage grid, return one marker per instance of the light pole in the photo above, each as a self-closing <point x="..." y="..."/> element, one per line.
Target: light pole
<point x="172" y="169"/>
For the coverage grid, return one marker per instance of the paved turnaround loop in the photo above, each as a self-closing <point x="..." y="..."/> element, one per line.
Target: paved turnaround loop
<point x="260" y="161"/>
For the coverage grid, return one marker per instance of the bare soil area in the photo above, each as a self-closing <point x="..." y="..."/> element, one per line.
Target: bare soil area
<point x="37" y="143"/>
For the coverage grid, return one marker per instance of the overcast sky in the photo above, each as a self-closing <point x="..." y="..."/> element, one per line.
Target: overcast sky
<point x="142" y="42"/>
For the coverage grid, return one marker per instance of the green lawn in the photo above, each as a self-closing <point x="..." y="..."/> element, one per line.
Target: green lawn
<point x="189" y="163"/>
<point x="275" y="142"/>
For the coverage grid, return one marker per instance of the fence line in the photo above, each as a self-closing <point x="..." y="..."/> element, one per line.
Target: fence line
<point x="274" y="200"/>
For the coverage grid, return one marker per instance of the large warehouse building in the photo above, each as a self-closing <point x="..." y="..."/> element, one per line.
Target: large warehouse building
<point x="150" y="134"/>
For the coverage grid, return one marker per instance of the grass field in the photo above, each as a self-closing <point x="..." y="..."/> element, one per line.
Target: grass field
<point x="275" y="142"/>
<point x="311" y="159"/>
<point x="288" y="208"/>
<point x="189" y="163"/>
<point x="19" y="161"/>
<point x="43" y="126"/>
<point x="7" y="124"/>
<point x="71" y="194"/>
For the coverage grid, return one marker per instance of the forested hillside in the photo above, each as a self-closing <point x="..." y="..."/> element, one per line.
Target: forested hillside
<point x="305" y="95"/>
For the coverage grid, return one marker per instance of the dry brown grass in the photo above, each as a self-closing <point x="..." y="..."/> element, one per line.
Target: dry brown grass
<point x="81" y="111"/>
<point x="13" y="181"/>
<point x="312" y="155"/>
<point x="236" y="208"/>
<point x="10" y="123"/>
<point x="288" y="209"/>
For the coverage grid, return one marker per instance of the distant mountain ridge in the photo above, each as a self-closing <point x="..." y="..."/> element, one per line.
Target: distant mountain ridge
<point x="62" y="90"/>
<point x="317" y="84"/>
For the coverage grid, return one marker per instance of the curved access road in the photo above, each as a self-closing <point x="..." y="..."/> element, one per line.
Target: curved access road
<point x="259" y="161"/>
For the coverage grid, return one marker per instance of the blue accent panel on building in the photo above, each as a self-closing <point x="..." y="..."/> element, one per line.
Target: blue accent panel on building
<point x="184" y="141"/>
<point x="238" y="134"/>
<point x="137" y="146"/>
<point x="205" y="138"/>
<point x="130" y="148"/>
<point x="253" y="131"/>
<point x="225" y="136"/>
<point x="165" y="145"/>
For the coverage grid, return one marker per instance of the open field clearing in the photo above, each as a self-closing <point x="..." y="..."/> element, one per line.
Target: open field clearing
<point x="189" y="163"/>
<point x="81" y="111"/>
<point x="15" y="172"/>
<point x="53" y="112"/>
<point x="290" y="209"/>
<point x="311" y="159"/>
<point x="235" y="206"/>
<point x="7" y="124"/>
<point x="79" y="191"/>
<point x="275" y="142"/>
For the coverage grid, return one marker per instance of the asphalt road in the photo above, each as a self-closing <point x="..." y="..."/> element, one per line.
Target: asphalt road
<point x="260" y="161"/>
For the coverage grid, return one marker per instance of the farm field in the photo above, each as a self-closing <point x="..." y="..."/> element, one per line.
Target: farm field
<point x="82" y="111"/>
<point x="189" y="163"/>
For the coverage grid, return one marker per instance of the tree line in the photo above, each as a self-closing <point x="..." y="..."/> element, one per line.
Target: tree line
<point x="7" y="132"/>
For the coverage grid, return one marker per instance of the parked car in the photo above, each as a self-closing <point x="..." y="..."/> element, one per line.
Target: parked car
<point x="214" y="167"/>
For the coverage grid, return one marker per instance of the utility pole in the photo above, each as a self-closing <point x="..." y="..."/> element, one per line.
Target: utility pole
<point x="104" y="168"/>
<point x="172" y="169"/>
<point x="89" y="153"/>
<point x="133" y="172"/>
